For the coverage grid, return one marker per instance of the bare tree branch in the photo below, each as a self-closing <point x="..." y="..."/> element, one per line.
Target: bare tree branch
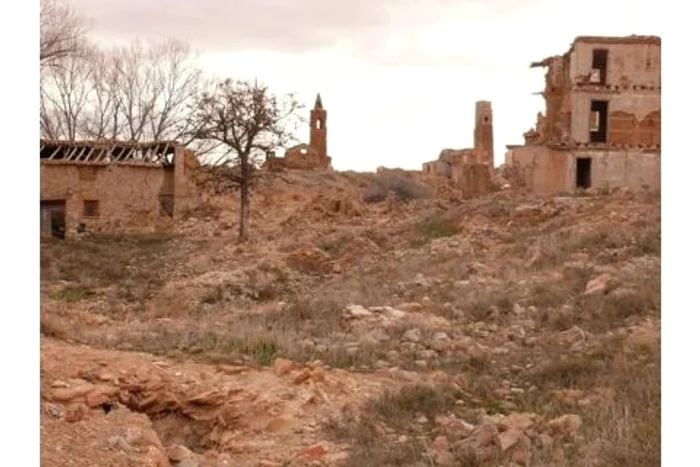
<point x="64" y="96"/>
<point x="142" y="92"/>
<point x="61" y="32"/>
<point x="102" y="116"/>
<point x="249" y="123"/>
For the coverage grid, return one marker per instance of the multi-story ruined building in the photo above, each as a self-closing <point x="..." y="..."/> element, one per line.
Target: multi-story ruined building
<point x="308" y="156"/>
<point x="602" y="123"/>
<point x="470" y="168"/>
<point x="107" y="186"/>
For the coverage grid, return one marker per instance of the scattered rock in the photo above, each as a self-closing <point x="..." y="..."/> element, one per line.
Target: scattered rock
<point x="566" y="425"/>
<point x="65" y="394"/>
<point x="76" y="412"/>
<point x="518" y="421"/>
<point x="314" y="452"/>
<point x="357" y="311"/>
<point x="60" y="384"/>
<point x="96" y="399"/>
<point x="411" y="307"/>
<point x="302" y="376"/>
<point x="599" y="285"/>
<point x="179" y="453"/>
<point x="282" y="366"/>
<point x="412" y="335"/>
<point x="508" y="439"/>
<point x="421" y="280"/>
<point x="484" y="435"/>
<point x="118" y="442"/>
<point x="318" y="374"/>
<point x="441" y="336"/>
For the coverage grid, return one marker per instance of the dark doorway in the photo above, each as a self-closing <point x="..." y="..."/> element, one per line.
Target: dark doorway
<point x="600" y="65"/>
<point x="599" y="122"/>
<point x="583" y="172"/>
<point x="53" y="218"/>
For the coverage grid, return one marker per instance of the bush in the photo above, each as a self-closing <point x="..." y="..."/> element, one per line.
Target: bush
<point x="404" y="188"/>
<point x="438" y="226"/>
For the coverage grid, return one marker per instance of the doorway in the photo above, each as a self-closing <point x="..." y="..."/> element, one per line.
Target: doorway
<point x="583" y="172"/>
<point x="53" y="218"/>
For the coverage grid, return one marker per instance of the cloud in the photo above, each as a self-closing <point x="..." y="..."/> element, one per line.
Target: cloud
<point x="362" y="28"/>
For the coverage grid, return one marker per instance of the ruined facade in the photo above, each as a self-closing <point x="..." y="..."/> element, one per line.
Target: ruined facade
<point x="470" y="169"/>
<point x="307" y="156"/>
<point x="602" y="120"/>
<point x="109" y="186"/>
<point x="449" y="160"/>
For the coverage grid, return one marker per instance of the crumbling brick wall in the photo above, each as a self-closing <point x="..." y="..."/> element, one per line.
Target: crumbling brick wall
<point x="603" y="106"/>
<point x="117" y="187"/>
<point x="625" y="128"/>
<point x="474" y="180"/>
<point x="555" y="124"/>
<point x="128" y="197"/>
<point x="305" y="157"/>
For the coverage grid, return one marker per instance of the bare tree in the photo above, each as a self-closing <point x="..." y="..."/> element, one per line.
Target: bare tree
<point x="136" y="93"/>
<point x="61" y="32"/>
<point x="177" y="83"/>
<point x="102" y="119"/>
<point x="64" y="97"/>
<point x="249" y="123"/>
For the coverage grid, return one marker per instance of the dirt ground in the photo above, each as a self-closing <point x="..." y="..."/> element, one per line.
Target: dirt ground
<point x="360" y="329"/>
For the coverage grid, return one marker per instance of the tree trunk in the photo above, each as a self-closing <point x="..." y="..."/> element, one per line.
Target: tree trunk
<point x="245" y="201"/>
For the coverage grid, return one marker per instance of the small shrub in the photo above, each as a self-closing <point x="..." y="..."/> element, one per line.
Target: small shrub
<point x="72" y="294"/>
<point x="404" y="188"/>
<point x="438" y="226"/>
<point x="498" y="210"/>
<point x="375" y="194"/>
<point x="397" y="408"/>
<point x="263" y="351"/>
<point x="53" y="327"/>
<point x="213" y="296"/>
<point x="572" y="372"/>
<point x="316" y="317"/>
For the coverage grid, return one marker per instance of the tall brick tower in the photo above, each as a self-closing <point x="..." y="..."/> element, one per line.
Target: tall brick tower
<point x="318" y="131"/>
<point x="483" y="133"/>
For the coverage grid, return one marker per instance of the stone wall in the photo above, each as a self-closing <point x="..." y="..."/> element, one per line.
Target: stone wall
<point x="473" y="180"/>
<point x="631" y="61"/>
<point x="546" y="171"/>
<point x="300" y="157"/>
<point x="130" y="197"/>
<point x="630" y="168"/>
<point x="305" y="157"/>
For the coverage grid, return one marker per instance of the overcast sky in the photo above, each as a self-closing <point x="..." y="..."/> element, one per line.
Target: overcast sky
<point x="399" y="78"/>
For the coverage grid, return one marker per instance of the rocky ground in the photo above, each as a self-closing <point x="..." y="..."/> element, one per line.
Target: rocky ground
<point x="369" y="322"/>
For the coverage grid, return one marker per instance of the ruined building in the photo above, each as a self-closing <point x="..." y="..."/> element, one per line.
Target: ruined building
<point x="307" y="156"/>
<point x="109" y="186"/>
<point x="470" y="169"/>
<point x="602" y="123"/>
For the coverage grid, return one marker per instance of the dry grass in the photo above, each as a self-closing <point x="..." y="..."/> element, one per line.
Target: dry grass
<point x="395" y="413"/>
<point x="133" y="263"/>
<point x="625" y="432"/>
<point x="439" y="225"/>
<point x="628" y="432"/>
